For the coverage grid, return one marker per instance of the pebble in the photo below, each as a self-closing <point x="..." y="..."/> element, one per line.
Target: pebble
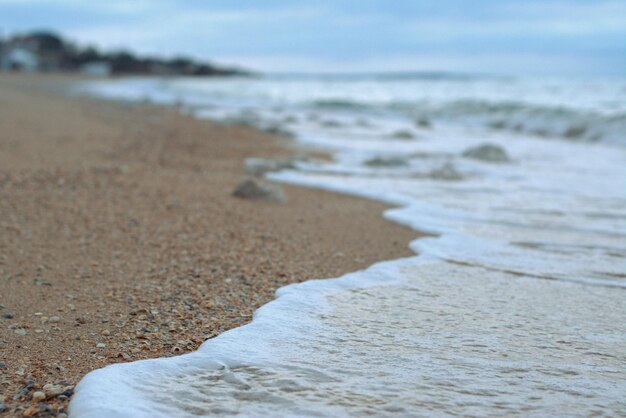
<point x="403" y="134"/>
<point x="7" y="315"/>
<point x="101" y="345"/>
<point x="30" y="411"/>
<point x="21" y="370"/>
<point x="54" y="319"/>
<point x="487" y="152"/>
<point x="2" y="365"/>
<point x="3" y="408"/>
<point x="39" y="396"/>
<point x="423" y="123"/>
<point x="20" y="331"/>
<point x="53" y="390"/>
<point x="251" y="189"/>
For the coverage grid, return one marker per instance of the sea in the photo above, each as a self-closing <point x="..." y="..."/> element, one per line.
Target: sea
<point x="514" y="303"/>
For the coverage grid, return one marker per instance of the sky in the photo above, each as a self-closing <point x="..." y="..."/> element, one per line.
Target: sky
<point x="523" y="37"/>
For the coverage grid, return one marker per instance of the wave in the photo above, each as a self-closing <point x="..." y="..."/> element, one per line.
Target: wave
<point x="514" y="116"/>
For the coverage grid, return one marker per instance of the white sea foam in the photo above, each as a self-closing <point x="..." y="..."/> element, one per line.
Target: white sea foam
<point x="514" y="305"/>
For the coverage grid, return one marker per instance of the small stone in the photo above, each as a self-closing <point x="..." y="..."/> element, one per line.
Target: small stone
<point x="7" y="315"/>
<point x="29" y="412"/>
<point x="101" y="345"/>
<point x="487" y="152"/>
<point x="2" y="365"/>
<point x="446" y="172"/>
<point x="54" y="319"/>
<point x="278" y="130"/>
<point x="53" y="390"/>
<point x="20" y="331"/>
<point x="38" y="396"/>
<point x="423" y="123"/>
<point x="3" y="408"/>
<point x="60" y="368"/>
<point x="106" y="332"/>
<point x="403" y="134"/>
<point x="329" y="123"/>
<point x="386" y="162"/>
<point x="250" y="189"/>
<point x="124" y="356"/>
<point x="21" y="370"/>
<point x="575" y="131"/>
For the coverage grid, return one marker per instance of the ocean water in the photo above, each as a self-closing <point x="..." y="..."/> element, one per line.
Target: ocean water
<point x="515" y="302"/>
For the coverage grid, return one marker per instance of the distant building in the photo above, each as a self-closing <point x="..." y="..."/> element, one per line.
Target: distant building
<point x="16" y="58"/>
<point x="39" y="51"/>
<point x="96" y="69"/>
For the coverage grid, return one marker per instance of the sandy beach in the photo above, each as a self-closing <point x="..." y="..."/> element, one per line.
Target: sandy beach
<point x="120" y="239"/>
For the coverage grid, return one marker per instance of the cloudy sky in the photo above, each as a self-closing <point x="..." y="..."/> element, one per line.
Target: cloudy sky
<point x="533" y="37"/>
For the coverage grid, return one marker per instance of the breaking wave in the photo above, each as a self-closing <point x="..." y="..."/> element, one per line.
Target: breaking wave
<point x="514" y="116"/>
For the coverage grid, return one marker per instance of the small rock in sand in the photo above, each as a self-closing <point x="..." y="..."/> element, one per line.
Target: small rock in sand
<point x="278" y="130"/>
<point x="52" y="390"/>
<point x="41" y="282"/>
<point x="21" y="370"/>
<point x="101" y="345"/>
<point x="54" y="319"/>
<point x="7" y="315"/>
<point x="251" y="189"/>
<point x="39" y="396"/>
<point x="487" y="152"/>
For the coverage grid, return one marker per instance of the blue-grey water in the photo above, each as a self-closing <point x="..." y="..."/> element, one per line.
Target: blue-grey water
<point x="514" y="305"/>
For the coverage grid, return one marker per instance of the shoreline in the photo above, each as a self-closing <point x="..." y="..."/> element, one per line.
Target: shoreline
<point x="122" y="240"/>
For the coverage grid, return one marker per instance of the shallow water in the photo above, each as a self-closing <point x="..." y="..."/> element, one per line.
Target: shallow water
<point x="514" y="306"/>
<point x="445" y="341"/>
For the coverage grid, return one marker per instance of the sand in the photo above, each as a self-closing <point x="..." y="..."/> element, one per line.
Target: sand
<point x="120" y="239"/>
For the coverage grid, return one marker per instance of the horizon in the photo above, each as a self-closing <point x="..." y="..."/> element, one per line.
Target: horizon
<point x="506" y="38"/>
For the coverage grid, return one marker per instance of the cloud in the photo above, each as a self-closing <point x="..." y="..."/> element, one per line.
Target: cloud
<point x="345" y="33"/>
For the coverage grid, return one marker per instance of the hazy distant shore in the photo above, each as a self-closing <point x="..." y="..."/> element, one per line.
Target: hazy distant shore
<point x="121" y="240"/>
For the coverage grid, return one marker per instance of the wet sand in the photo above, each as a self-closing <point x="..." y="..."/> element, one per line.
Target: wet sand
<point x="120" y="240"/>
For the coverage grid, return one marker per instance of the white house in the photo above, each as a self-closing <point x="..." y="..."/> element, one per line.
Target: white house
<point x="17" y="58"/>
